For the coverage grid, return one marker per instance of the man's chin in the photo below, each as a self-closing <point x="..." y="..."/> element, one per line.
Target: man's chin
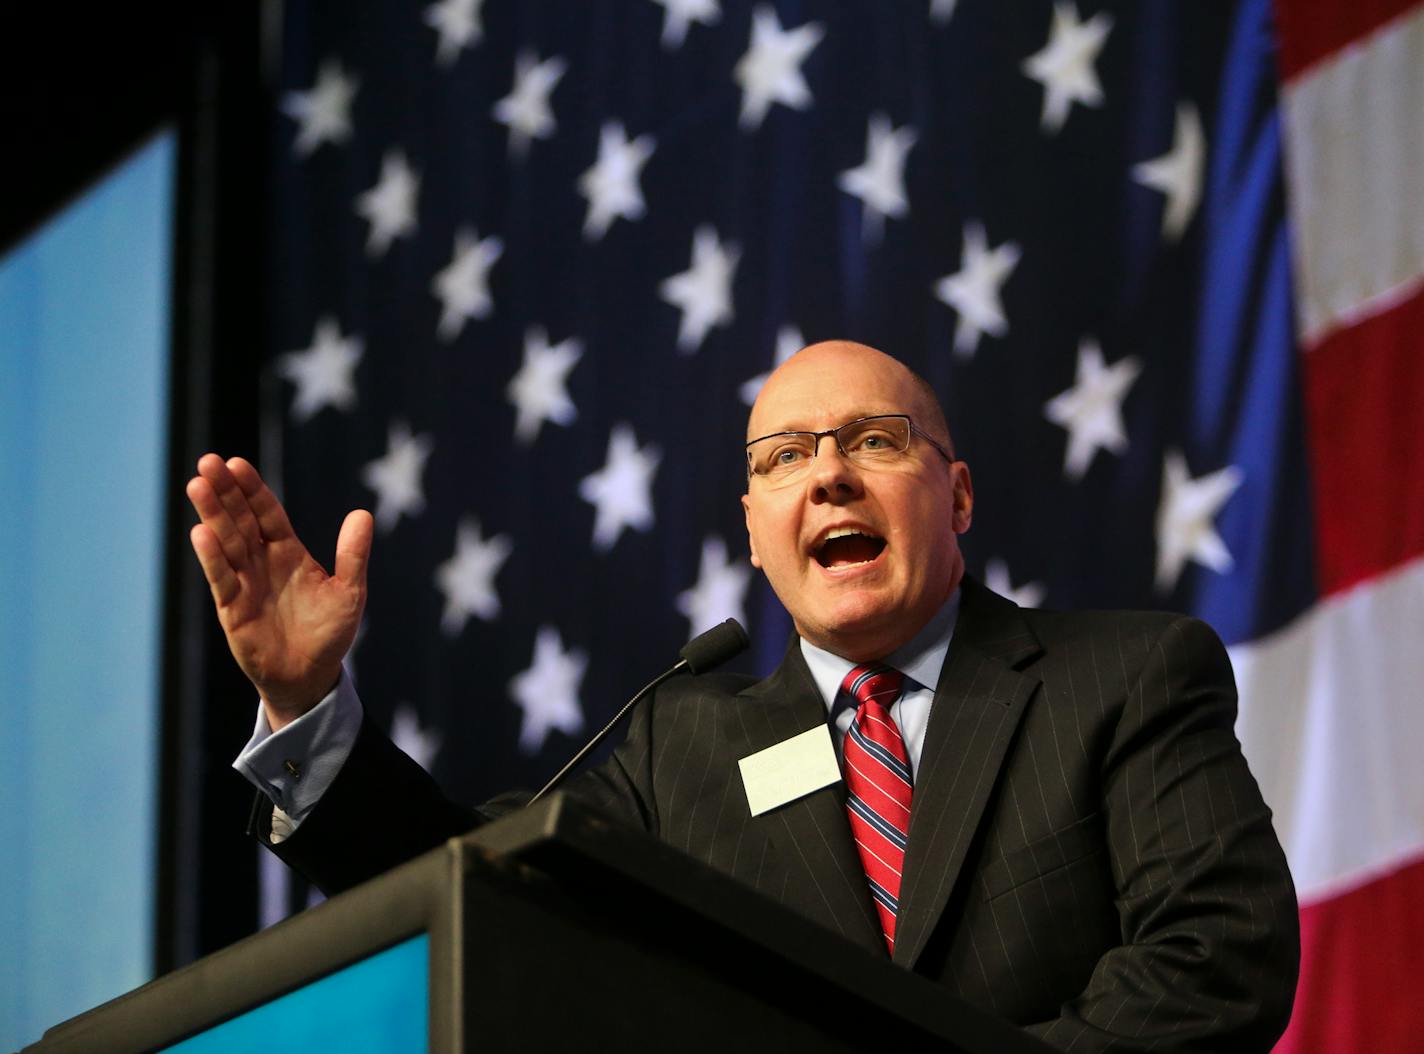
<point x="858" y="632"/>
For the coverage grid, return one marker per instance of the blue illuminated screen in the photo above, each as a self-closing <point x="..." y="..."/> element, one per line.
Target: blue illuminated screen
<point x="84" y="404"/>
<point x="375" y="1006"/>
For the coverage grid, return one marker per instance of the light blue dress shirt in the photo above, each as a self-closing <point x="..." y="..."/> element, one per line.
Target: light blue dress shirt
<point x="920" y="660"/>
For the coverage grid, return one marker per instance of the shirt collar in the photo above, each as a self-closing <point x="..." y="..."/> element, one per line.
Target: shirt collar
<point x="920" y="658"/>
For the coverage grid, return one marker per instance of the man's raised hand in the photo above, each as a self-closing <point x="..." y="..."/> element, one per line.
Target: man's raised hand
<point x="288" y="622"/>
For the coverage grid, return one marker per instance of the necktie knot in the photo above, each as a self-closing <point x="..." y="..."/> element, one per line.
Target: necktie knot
<point x="873" y="682"/>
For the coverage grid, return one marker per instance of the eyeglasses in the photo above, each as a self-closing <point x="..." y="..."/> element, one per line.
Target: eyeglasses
<point x="780" y="457"/>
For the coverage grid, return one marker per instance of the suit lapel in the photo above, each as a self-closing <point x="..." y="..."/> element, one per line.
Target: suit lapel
<point x="823" y="875"/>
<point x="978" y="704"/>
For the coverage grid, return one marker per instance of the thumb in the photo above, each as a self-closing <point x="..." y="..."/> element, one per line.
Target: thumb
<point x="353" y="548"/>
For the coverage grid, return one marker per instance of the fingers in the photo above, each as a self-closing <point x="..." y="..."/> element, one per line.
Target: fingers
<point x="222" y="580"/>
<point x="213" y="469"/>
<point x="353" y="548"/>
<point x="218" y="521"/>
<point x="238" y="506"/>
<point x="270" y="516"/>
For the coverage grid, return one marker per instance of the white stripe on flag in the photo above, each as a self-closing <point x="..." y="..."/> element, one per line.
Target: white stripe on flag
<point x="1332" y="722"/>
<point x="1354" y="151"/>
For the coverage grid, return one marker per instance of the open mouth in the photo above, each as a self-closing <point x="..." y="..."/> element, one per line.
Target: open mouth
<point x="847" y="547"/>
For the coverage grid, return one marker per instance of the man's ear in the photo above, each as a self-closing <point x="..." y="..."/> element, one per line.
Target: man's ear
<point x="963" y="497"/>
<point x="751" y="544"/>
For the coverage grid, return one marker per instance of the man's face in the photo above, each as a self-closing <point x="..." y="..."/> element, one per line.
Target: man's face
<point x="862" y="595"/>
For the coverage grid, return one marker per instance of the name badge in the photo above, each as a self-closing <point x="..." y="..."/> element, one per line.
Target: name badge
<point x="789" y="770"/>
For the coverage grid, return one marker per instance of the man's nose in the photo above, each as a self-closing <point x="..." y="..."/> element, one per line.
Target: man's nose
<point x="834" y="477"/>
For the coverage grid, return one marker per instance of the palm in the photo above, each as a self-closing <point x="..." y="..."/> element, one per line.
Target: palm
<point x="288" y="615"/>
<point x="287" y="621"/>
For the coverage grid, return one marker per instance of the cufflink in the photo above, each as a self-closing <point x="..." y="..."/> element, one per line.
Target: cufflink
<point x="293" y="769"/>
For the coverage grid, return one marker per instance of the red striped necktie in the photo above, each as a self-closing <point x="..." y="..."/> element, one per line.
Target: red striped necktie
<point x="877" y="775"/>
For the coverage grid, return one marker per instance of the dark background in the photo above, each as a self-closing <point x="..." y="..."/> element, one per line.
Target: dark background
<point x="82" y="89"/>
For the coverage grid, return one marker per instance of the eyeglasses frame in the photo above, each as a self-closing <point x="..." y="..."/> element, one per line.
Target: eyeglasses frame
<point x="818" y="436"/>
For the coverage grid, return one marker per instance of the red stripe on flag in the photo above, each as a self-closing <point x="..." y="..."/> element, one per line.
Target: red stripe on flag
<point x="1360" y="962"/>
<point x="1312" y="30"/>
<point x="1364" y="395"/>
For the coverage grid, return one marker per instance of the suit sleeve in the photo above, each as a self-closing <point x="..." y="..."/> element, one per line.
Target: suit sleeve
<point x="1210" y="935"/>
<point x="383" y="809"/>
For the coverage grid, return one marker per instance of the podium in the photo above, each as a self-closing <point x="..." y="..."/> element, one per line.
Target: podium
<point x="551" y="929"/>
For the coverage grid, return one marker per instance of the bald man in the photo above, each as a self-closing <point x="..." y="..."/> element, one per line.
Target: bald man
<point x="1048" y="814"/>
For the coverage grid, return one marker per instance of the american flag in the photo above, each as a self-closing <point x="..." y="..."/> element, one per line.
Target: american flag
<point x="531" y="261"/>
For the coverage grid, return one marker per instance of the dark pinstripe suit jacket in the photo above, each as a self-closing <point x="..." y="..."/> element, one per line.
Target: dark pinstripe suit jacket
<point x="1088" y="854"/>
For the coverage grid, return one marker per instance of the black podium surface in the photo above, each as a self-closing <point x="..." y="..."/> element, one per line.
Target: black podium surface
<point x="549" y="929"/>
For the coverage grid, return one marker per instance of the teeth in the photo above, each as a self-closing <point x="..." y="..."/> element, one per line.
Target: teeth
<point x="847" y="532"/>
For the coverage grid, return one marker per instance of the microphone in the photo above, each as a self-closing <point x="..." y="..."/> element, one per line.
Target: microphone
<point x="704" y="652"/>
<point x="707" y="651"/>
